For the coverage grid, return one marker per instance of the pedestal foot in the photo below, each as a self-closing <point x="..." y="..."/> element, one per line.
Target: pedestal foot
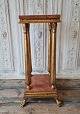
<point x="58" y="102"/>
<point x="23" y="103"/>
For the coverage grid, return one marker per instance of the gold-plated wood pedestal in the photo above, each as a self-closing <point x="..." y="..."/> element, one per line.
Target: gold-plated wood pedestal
<point x="40" y="86"/>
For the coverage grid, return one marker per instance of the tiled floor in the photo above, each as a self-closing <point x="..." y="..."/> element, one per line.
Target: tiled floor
<point x="11" y="95"/>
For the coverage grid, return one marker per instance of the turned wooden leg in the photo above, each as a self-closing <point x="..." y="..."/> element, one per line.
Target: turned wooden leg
<point x="23" y="102"/>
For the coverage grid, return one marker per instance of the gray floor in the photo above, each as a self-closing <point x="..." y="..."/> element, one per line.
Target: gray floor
<point x="11" y="95"/>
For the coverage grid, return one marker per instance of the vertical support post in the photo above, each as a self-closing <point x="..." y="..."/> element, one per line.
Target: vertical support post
<point x="28" y="66"/>
<point x="29" y="46"/>
<point x="49" y="48"/>
<point x="53" y="54"/>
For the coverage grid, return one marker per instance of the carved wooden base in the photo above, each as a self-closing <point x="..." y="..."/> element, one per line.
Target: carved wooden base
<point x="58" y="102"/>
<point x="40" y="88"/>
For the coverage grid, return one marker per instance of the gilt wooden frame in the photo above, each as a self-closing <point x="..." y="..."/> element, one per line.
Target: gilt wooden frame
<point x="52" y="21"/>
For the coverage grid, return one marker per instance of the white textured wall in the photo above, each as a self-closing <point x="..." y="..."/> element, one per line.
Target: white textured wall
<point x="11" y="37"/>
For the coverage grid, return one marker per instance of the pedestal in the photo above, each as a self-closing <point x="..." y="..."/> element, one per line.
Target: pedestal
<point x="40" y="86"/>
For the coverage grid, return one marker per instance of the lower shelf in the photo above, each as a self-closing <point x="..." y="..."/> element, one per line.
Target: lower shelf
<point x="40" y="87"/>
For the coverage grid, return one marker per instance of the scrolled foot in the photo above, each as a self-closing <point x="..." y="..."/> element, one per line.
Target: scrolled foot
<point x="59" y="103"/>
<point x="23" y="103"/>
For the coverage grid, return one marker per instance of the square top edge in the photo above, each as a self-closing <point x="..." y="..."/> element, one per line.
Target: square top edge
<point x="38" y="17"/>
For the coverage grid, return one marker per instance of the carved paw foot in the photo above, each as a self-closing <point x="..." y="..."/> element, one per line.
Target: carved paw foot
<point x="59" y="103"/>
<point x="23" y="103"/>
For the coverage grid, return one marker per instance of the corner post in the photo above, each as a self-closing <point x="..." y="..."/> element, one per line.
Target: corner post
<point x="53" y="55"/>
<point x="49" y="48"/>
<point x="27" y="50"/>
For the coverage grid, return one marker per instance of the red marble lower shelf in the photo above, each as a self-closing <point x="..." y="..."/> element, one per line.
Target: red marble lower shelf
<point x="40" y="84"/>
